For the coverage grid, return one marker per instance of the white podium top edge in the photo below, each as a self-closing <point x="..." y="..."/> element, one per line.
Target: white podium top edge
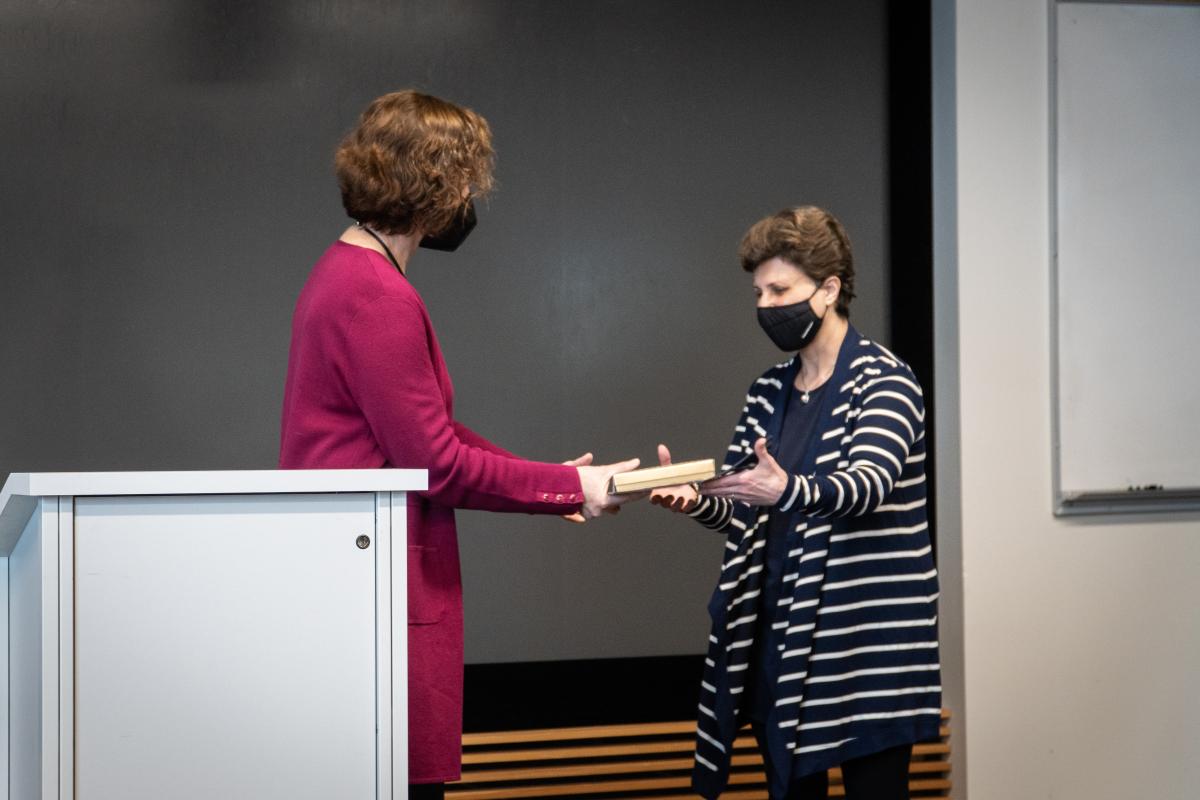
<point x="18" y="497"/>
<point x="249" y="481"/>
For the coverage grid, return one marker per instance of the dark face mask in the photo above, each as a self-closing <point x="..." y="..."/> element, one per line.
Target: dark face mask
<point x="791" y="327"/>
<point x="454" y="235"/>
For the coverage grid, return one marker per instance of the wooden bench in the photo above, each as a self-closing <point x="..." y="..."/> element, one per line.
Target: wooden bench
<point x="643" y="760"/>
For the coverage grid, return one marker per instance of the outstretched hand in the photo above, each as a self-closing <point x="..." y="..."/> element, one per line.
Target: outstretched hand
<point x="761" y="486"/>
<point x="583" y="461"/>
<point x="681" y="498"/>
<point x="595" y="480"/>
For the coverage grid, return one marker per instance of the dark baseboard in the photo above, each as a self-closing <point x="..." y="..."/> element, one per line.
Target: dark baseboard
<point x="605" y="691"/>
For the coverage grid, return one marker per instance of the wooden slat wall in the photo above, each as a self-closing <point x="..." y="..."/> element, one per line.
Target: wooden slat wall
<point x="651" y="760"/>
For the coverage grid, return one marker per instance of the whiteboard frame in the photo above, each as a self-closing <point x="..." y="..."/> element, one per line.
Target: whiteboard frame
<point x="1135" y="501"/>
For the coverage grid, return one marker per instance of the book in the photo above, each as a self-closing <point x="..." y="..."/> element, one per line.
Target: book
<point x="640" y="480"/>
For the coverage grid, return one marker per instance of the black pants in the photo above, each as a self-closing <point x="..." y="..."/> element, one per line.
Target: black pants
<point x="878" y="776"/>
<point x="426" y="791"/>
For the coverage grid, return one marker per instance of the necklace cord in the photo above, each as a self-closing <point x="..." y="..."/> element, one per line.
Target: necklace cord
<point x="386" y="249"/>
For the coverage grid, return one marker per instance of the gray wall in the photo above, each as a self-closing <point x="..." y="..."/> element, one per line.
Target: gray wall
<point x="1079" y="638"/>
<point x="167" y="187"/>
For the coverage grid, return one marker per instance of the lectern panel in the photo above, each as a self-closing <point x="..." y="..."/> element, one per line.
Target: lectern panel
<point x="225" y="647"/>
<point x="26" y="659"/>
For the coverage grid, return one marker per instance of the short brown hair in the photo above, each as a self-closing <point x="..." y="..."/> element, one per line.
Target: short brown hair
<point x="405" y="164"/>
<point x="808" y="237"/>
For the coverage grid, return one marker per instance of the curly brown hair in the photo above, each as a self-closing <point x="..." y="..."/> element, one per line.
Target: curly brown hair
<point x="808" y="237"/>
<point x="404" y="166"/>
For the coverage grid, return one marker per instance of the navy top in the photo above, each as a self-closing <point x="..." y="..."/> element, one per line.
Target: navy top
<point x="799" y="423"/>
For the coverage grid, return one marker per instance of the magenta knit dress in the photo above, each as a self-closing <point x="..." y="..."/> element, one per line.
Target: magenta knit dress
<point x="367" y="387"/>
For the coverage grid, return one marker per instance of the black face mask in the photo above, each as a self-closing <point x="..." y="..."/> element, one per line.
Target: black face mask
<point x="791" y="327"/>
<point x="454" y="235"/>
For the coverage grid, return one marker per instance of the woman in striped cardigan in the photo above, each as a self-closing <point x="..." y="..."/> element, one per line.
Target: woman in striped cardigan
<point x="824" y="629"/>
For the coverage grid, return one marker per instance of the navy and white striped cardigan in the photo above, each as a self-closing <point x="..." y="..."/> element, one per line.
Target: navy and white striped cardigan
<point x="859" y="665"/>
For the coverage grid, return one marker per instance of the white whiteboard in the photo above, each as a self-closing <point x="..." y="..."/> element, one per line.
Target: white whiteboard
<point x="1126" y="217"/>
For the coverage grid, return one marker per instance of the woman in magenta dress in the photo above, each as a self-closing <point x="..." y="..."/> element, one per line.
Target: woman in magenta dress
<point x="367" y="387"/>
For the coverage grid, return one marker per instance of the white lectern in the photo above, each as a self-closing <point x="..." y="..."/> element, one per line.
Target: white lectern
<point x="203" y="635"/>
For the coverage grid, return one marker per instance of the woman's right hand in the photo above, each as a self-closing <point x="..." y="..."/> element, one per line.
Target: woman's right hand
<point x="594" y="480"/>
<point x="682" y="498"/>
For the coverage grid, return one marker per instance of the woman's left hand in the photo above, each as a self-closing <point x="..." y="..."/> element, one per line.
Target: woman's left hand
<point x="584" y="460"/>
<point x="761" y="486"/>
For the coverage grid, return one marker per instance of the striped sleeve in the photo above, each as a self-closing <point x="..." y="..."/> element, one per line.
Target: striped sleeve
<point x="713" y="512"/>
<point x="890" y="420"/>
<point x="716" y="513"/>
